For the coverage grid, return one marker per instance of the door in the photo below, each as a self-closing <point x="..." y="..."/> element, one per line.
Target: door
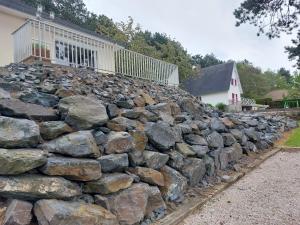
<point x="61" y="53"/>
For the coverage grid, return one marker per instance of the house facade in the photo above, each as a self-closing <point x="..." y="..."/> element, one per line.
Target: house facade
<point x="217" y="84"/>
<point x="26" y="37"/>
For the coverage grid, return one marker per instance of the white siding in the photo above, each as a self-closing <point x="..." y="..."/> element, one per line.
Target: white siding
<point x="225" y="97"/>
<point x="216" y="98"/>
<point x="235" y="89"/>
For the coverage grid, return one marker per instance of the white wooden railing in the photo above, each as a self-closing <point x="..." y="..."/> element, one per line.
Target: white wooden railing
<point x="57" y="44"/>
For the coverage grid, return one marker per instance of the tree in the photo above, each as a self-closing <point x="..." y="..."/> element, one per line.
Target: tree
<point x="272" y="17"/>
<point x="286" y="74"/>
<point x="256" y="84"/>
<point x="72" y="10"/>
<point x="206" y="61"/>
<point x="294" y="92"/>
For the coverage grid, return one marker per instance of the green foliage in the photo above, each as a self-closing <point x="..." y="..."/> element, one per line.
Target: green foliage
<point x="286" y="74"/>
<point x="156" y="45"/>
<point x="272" y="17"/>
<point x="205" y="61"/>
<point x="221" y="106"/>
<point x="256" y="83"/>
<point x="294" y="138"/>
<point x="294" y="51"/>
<point x="294" y="91"/>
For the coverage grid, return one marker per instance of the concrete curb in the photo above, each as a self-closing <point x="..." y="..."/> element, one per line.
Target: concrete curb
<point x="185" y="210"/>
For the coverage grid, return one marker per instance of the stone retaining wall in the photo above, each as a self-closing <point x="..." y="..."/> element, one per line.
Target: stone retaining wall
<point x="84" y="148"/>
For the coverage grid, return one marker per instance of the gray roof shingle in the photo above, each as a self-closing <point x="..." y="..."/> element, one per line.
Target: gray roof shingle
<point x="213" y="79"/>
<point x="23" y="7"/>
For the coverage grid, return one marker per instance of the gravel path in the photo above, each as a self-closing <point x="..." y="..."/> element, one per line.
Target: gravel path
<point x="269" y="195"/>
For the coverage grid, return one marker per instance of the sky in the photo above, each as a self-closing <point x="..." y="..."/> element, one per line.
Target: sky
<point x="202" y="27"/>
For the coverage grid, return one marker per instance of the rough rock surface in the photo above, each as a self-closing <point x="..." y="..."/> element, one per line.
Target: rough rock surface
<point x="114" y="162"/>
<point x="175" y="184"/>
<point x="55" y="212"/>
<point x="119" y="142"/>
<point x="78" y="144"/>
<point x="19" y="109"/>
<point x="149" y="175"/>
<point x="108" y="183"/>
<point x="160" y="135"/>
<point x="125" y="144"/>
<point x="82" y="112"/>
<point x="18" y="133"/>
<point x="52" y="129"/>
<point x="33" y="187"/>
<point x="20" y="160"/>
<point x="18" y="213"/>
<point x="136" y="197"/>
<point x="73" y="169"/>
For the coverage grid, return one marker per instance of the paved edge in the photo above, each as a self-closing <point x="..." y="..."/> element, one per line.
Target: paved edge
<point x="185" y="210"/>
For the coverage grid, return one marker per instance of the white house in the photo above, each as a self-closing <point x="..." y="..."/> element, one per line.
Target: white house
<point x="217" y="84"/>
<point x="28" y="34"/>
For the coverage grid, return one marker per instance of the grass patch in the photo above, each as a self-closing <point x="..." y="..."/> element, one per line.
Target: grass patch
<point x="294" y="139"/>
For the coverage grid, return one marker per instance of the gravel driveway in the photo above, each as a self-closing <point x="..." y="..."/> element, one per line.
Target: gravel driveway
<point x="269" y="195"/>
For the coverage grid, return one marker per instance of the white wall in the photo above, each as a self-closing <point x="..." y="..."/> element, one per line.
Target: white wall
<point x="9" y="22"/>
<point x="225" y="97"/>
<point x="216" y="98"/>
<point x="235" y="89"/>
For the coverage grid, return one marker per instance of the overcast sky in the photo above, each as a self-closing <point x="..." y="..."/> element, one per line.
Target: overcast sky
<point x="202" y="26"/>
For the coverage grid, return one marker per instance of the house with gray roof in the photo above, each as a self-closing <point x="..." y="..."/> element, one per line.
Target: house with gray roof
<point x="217" y="84"/>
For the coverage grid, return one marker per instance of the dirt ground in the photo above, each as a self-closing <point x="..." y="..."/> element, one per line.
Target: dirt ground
<point x="269" y="195"/>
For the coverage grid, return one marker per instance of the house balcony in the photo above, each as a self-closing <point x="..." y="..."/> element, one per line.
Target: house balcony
<point x="47" y="41"/>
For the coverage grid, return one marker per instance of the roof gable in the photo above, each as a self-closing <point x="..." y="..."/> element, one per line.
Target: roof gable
<point x="213" y="79"/>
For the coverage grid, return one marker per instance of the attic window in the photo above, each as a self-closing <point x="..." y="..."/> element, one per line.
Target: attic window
<point x="235" y="83"/>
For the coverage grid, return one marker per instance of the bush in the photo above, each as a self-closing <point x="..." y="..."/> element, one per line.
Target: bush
<point x="221" y="106"/>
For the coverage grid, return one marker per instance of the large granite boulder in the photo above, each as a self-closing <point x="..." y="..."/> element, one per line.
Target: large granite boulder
<point x="16" y="108"/>
<point x="176" y="160"/>
<point x="187" y="105"/>
<point x="73" y="169"/>
<point x="44" y="99"/>
<point x="83" y="112"/>
<point x="55" y="212"/>
<point x="119" y="142"/>
<point x="194" y="139"/>
<point x="215" y="140"/>
<point x="217" y="125"/>
<point x="155" y="160"/>
<point x="108" y="183"/>
<point x="18" y="133"/>
<point x="20" y="160"/>
<point x="185" y="149"/>
<point x="114" y="162"/>
<point x="228" y="139"/>
<point x="164" y="111"/>
<point x="123" y="124"/>
<point x="78" y="144"/>
<point x="18" y="212"/>
<point x="200" y="150"/>
<point x="32" y="187"/>
<point x="234" y="152"/>
<point x="175" y="184"/>
<point x="130" y="205"/>
<point x="194" y="170"/>
<point x="160" y="135"/>
<point x="148" y="175"/>
<point x="156" y="206"/>
<point x="52" y="129"/>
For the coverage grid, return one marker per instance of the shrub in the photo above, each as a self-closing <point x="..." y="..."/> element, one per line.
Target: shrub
<point x="221" y="106"/>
